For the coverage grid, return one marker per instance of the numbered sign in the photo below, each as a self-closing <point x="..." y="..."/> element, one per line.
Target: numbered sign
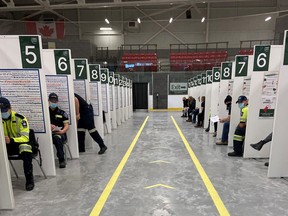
<point x="94" y="72"/>
<point x="204" y="77"/>
<point x="209" y="78"/>
<point x="261" y="58"/>
<point x="111" y="78"/>
<point x="286" y="48"/>
<point x="216" y="74"/>
<point x="241" y="66"/>
<point x="80" y="69"/>
<point x="116" y="78"/>
<point x="62" y="61"/>
<point x="192" y="84"/>
<point x="189" y="84"/>
<point x="199" y="79"/>
<point x="226" y="70"/>
<point x="30" y="51"/>
<point x="123" y="81"/>
<point x="104" y="75"/>
<point x="195" y="80"/>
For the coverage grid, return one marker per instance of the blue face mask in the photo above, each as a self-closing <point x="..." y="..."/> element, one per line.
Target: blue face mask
<point x="53" y="105"/>
<point x="241" y="105"/>
<point x="5" y="115"/>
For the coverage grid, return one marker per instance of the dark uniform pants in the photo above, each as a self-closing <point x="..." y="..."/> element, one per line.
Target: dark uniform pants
<point x="13" y="149"/>
<point x="87" y="122"/>
<point x="58" y="141"/>
<point x="238" y="140"/>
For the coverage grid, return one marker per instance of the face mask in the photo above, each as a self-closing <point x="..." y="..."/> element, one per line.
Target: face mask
<point x="5" y="115"/>
<point x="53" y="105"/>
<point x="241" y="105"/>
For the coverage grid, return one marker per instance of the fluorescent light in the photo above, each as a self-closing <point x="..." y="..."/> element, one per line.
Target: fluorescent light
<point x="107" y="21"/>
<point x="267" y="19"/>
<point x="138" y="20"/>
<point x="203" y="19"/>
<point x="105" y="29"/>
<point x="171" y="20"/>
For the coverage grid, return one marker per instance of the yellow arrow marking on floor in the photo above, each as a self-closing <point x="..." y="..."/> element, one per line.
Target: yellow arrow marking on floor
<point x="212" y="191"/>
<point x="159" y="161"/>
<point x="159" y="185"/>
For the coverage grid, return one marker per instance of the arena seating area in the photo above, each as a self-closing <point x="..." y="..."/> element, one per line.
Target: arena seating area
<point x="139" y="62"/>
<point x="245" y="52"/>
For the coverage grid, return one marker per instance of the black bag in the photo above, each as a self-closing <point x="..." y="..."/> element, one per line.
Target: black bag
<point x="35" y="145"/>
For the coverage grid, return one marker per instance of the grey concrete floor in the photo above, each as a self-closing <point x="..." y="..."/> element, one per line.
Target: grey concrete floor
<point x="242" y="184"/>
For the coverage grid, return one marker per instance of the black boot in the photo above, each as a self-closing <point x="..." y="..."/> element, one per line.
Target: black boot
<point x="258" y="146"/>
<point x="102" y="150"/>
<point x="29" y="182"/>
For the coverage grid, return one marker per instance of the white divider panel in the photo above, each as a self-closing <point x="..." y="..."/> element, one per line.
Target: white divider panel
<point x="131" y="99"/>
<point x="243" y="68"/>
<point x="17" y="52"/>
<point x="106" y="98"/>
<point x="79" y="68"/>
<point x="150" y="99"/>
<point x="121" y="83"/>
<point x="226" y="77"/>
<point x="112" y="100"/>
<point x="96" y="96"/>
<point x="265" y="63"/>
<point x="59" y="62"/>
<point x="126" y="98"/>
<point x="208" y="92"/>
<point x="203" y="84"/>
<point x="196" y="91"/>
<point x="117" y="99"/>
<point x="215" y="95"/>
<point x="279" y="148"/>
<point x="7" y="197"/>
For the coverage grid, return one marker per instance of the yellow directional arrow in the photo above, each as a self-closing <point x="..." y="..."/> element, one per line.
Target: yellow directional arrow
<point x="159" y="185"/>
<point x="159" y="161"/>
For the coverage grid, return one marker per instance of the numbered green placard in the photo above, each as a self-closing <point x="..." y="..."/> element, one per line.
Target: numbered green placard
<point x="195" y="80"/>
<point x="116" y="77"/>
<point x="192" y="84"/>
<point x="199" y="79"/>
<point x="104" y="75"/>
<point x="216" y="74"/>
<point x="94" y="70"/>
<point x="286" y="48"/>
<point x="241" y="66"/>
<point x="204" y="78"/>
<point x="209" y="76"/>
<point x="111" y="78"/>
<point x="80" y="69"/>
<point x="189" y="84"/>
<point x="226" y="71"/>
<point x="30" y="51"/>
<point x="62" y="61"/>
<point x="261" y="58"/>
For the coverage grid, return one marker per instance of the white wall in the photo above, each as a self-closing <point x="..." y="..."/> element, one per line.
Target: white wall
<point x="175" y="101"/>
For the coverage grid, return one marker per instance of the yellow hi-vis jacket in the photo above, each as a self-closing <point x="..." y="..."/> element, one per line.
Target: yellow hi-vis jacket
<point x="244" y="115"/>
<point x="17" y="128"/>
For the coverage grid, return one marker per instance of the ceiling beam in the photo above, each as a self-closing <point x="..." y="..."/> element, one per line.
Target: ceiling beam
<point x="9" y="4"/>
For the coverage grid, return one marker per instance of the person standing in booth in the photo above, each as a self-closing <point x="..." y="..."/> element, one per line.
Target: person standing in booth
<point x="59" y="126"/>
<point x="85" y="120"/>
<point x="239" y="134"/>
<point x="16" y="132"/>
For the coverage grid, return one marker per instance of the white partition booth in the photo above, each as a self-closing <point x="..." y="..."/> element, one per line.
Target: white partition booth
<point x="117" y="99"/>
<point x="279" y="149"/>
<point x="208" y="91"/>
<point x="243" y="70"/>
<point x="196" y="91"/>
<point x="96" y="96"/>
<point x="57" y="68"/>
<point x="121" y="84"/>
<point x="23" y="83"/>
<point x="130" y="98"/>
<point x="126" y="116"/>
<point x="111" y="81"/>
<point x="262" y="98"/>
<point x="225" y="89"/>
<point x="106" y="99"/>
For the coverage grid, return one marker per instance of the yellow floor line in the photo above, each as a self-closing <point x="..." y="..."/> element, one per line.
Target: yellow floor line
<point x="212" y="191"/>
<point x="105" y="194"/>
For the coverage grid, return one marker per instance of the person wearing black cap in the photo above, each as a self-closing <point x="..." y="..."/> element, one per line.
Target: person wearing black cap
<point x="85" y="120"/>
<point x="59" y="126"/>
<point x="16" y="132"/>
<point x="226" y="121"/>
<point x="239" y="134"/>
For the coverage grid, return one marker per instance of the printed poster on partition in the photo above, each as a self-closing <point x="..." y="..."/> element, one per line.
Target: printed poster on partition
<point x="104" y="97"/>
<point x="111" y="97"/>
<point x="116" y="97"/>
<point x="59" y="85"/>
<point x="246" y="87"/>
<point x="80" y="88"/>
<point x="230" y="88"/>
<point x="94" y="97"/>
<point x="269" y="93"/>
<point x="23" y="89"/>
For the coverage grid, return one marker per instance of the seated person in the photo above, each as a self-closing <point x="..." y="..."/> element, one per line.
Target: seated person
<point x="185" y="107"/>
<point x="215" y="126"/>
<point x="16" y="132"/>
<point x="59" y="126"/>
<point x="191" y="108"/>
<point x="226" y="121"/>
<point x="201" y="113"/>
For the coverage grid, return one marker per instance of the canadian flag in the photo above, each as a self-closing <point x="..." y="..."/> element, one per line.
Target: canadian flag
<point x="51" y="30"/>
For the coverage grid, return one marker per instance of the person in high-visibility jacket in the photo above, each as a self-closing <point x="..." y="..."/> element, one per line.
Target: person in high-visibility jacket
<point x="16" y="132"/>
<point x="240" y="131"/>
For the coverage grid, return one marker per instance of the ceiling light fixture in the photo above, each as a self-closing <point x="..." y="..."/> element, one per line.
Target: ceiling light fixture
<point x="107" y="21"/>
<point x="203" y="19"/>
<point x="171" y="20"/>
<point x="267" y="19"/>
<point x="138" y="20"/>
<point x="105" y="29"/>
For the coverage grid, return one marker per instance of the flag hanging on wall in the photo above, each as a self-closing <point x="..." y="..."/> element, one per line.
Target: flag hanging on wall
<point x="50" y="30"/>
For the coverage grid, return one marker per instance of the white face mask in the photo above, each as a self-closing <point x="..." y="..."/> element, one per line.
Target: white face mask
<point x="241" y="105"/>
